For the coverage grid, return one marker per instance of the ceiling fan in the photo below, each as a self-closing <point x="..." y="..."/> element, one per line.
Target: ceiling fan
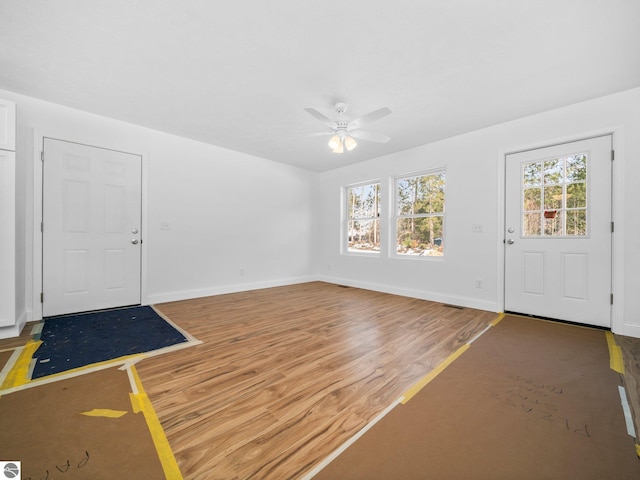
<point x="343" y="133"/>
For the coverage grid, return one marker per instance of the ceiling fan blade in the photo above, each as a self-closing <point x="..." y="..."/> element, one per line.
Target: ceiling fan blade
<point x="369" y="118"/>
<point x="371" y="136"/>
<point x="318" y="134"/>
<point x="323" y="118"/>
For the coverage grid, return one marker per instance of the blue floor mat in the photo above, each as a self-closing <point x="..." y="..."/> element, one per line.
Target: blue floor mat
<point x="73" y="341"/>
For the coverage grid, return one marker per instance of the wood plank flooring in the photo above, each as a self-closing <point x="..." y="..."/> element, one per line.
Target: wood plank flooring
<point x="285" y="375"/>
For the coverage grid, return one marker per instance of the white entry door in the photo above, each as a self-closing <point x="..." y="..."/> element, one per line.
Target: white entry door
<point x="91" y="228"/>
<point x="558" y="232"/>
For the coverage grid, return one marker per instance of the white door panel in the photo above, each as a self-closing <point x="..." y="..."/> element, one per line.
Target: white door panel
<point x="558" y="232"/>
<point x="533" y="272"/>
<point x="92" y="204"/>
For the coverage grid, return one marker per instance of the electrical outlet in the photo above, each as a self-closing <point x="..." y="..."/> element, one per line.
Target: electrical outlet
<point x="478" y="283"/>
<point x="164" y="226"/>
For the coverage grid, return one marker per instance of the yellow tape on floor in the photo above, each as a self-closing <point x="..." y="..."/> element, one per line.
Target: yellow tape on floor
<point x="433" y="374"/>
<point x="615" y="354"/>
<point x="140" y="403"/>
<point x="406" y="396"/>
<point x="19" y="374"/>
<point x="494" y="322"/>
<point x="104" y="412"/>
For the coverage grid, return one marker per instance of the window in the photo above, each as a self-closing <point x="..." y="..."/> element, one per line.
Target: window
<point x="554" y="197"/>
<point x="420" y="214"/>
<point x="363" y="222"/>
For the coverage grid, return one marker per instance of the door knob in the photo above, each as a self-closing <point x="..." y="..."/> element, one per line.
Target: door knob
<point x="134" y="241"/>
<point x="511" y="241"/>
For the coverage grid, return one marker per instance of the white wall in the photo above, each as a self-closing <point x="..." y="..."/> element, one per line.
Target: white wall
<point x="236" y="222"/>
<point x="214" y="199"/>
<point x="226" y="211"/>
<point x="471" y="185"/>
<point x="475" y="168"/>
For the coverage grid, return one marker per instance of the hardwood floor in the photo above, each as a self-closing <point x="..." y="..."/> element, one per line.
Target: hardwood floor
<point x="285" y="375"/>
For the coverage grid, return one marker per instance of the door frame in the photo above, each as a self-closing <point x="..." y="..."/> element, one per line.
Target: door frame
<point x="36" y="221"/>
<point x="617" y="215"/>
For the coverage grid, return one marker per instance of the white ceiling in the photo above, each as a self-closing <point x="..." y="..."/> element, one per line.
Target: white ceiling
<point x="239" y="73"/>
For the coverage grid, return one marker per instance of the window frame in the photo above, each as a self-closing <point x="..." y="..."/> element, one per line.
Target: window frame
<point x="563" y="209"/>
<point x="395" y="217"/>
<point x="347" y="219"/>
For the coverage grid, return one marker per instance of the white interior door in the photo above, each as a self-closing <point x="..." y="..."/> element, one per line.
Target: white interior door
<point x="558" y="232"/>
<point x="91" y="228"/>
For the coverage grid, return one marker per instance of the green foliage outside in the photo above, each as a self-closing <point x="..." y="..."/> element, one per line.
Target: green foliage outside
<point x="420" y="214"/>
<point x="555" y="197"/>
<point x="420" y="204"/>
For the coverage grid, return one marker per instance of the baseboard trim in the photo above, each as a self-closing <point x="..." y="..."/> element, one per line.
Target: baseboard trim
<point x="489" y="306"/>
<point x="14" y="330"/>
<point x="221" y="290"/>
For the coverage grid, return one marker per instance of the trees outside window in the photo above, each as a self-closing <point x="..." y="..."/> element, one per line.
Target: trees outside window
<point x="363" y="218"/>
<point x="420" y="202"/>
<point x="554" y="197"/>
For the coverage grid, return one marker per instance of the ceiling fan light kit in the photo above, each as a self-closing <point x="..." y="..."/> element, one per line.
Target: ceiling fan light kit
<point x="342" y="140"/>
<point x="350" y="143"/>
<point x="343" y="133"/>
<point x="335" y="144"/>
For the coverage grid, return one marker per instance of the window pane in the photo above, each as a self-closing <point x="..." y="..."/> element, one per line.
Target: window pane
<point x="364" y="236"/>
<point x="362" y="218"/>
<point x="420" y="236"/>
<point x="559" y="206"/>
<point x="420" y="201"/>
<point x="576" y="222"/>
<point x="363" y="201"/>
<point x="532" y="199"/>
<point x="553" y="171"/>
<point x="553" y="197"/>
<point x="419" y="195"/>
<point x="577" y="168"/>
<point x="532" y="225"/>
<point x="577" y="195"/>
<point x="430" y="197"/>
<point x="406" y="189"/>
<point x="532" y="174"/>
<point x="553" y="224"/>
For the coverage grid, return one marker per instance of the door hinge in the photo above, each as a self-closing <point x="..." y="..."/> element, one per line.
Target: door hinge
<point x="611" y="299"/>
<point x="42" y="156"/>
<point x="41" y="297"/>
<point x="613" y="155"/>
<point x="41" y="227"/>
<point x="612" y="227"/>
